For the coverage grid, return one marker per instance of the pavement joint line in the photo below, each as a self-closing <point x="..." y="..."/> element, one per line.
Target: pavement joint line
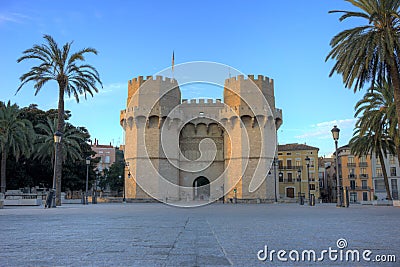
<point x="219" y="243"/>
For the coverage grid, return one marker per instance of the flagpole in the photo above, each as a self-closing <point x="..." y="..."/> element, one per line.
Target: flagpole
<point x="173" y="63"/>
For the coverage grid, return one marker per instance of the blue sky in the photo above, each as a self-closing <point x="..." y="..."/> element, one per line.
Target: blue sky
<point x="284" y="40"/>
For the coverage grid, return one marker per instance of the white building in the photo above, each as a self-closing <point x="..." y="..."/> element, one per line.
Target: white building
<point x="393" y="171"/>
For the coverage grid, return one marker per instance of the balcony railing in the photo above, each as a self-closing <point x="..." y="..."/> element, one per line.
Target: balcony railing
<point x="363" y="176"/>
<point x="351" y="165"/>
<point x="288" y="181"/>
<point x="290" y="167"/>
<point x="352" y="176"/>
<point x="363" y="164"/>
<point x="359" y="188"/>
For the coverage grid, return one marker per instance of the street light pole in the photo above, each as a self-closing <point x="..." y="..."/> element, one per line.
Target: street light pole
<point x="275" y="162"/>
<point x="335" y="134"/>
<point x="87" y="180"/>
<point x="308" y="179"/>
<point x="123" y="198"/>
<point x="299" y="178"/>
<point x="57" y="140"/>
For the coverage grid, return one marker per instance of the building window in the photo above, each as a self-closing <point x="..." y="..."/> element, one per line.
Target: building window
<point x="280" y="164"/>
<point x="289" y="163"/>
<point x="364" y="184"/>
<point x="288" y="153"/>
<point x="298" y="163"/>
<point x="379" y="172"/>
<point x="392" y="160"/>
<point x="365" y="196"/>
<point x="353" y="197"/>
<point x="280" y="177"/>
<point x="290" y="177"/>
<point x="352" y="184"/>
<point x="312" y="186"/>
<point x="395" y="192"/>
<point x="107" y="160"/>
<point x="379" y="185"/>
<point x="392" y="171"/>
<point x="350" y="162"/>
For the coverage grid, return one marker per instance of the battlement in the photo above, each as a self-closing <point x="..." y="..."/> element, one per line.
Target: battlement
<point x="141" y="79"/>
<point x="201" y="101"/>
<point x="250" y="77"/>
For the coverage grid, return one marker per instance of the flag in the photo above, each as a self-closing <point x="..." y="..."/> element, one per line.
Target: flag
<point x="173" y="61"/>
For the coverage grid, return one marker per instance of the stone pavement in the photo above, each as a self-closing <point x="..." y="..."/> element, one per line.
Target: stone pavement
<point x="214" y="235"/>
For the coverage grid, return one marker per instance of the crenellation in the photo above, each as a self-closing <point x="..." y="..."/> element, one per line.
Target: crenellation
<point x="173" y="111"/>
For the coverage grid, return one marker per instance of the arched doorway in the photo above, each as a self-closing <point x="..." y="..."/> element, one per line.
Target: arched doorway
<point x="201" y="188"/>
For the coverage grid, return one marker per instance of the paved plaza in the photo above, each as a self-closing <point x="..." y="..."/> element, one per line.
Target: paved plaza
<point x="213" y="235"/>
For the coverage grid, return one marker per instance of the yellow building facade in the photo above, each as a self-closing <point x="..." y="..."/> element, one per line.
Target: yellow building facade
<point x="356" y="175"/>
<point x="294" y="176"/>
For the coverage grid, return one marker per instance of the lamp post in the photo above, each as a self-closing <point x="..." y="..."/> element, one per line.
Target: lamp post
<point x="308" y="178"/>
<point x="275" y="162"/>
<point x="335" y="134"/>
<point x="94" y="198"/>
<point x="299" y="178"/>
<point x="57" y="140"/>
<point x="87" y="180"/>
<point x="123" y="197"/>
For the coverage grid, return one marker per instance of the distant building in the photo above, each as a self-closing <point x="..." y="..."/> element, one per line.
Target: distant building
<point x="327" y="179"/>
<point x="393" y="172"/>
<point x="291" y="159"/>
<point x="106" y="153"/>
<point x="356" y="175"/>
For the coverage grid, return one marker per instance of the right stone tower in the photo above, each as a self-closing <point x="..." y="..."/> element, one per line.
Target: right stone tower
<point x="248" y="123"/>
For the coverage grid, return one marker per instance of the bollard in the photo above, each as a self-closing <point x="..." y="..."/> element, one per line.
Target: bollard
<point x="312" y="200"/>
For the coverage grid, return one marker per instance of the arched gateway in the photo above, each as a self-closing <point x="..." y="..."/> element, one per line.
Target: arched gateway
<point x="201" y="188"/>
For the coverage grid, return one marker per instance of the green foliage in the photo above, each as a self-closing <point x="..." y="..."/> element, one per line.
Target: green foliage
<point x="70" y="142"/>
<point x="368" y="52"/>
<point x="36" y="169"/>
<point x="113" y="177"/>
<point x="372" y="132"/>
<point x="58" y="64"/>
<point x="16" y="137"/>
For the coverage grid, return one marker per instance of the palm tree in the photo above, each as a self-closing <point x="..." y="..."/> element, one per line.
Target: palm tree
<point x="72" y="75"/>
<point x="370" y="52"/>
<point x="376" y="112"/>
<point x="72" y="139"/>
<point x="16" y="137"/>
<point x="373" y="142"/>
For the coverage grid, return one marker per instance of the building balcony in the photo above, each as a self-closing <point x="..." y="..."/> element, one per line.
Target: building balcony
<point x="352" y="176"/>
<point x="288" y="181"/>
<point x="359" y="188"/>
<point x="364" y="176"/>
<point x="290" y="168"/>
<point x="351" y="165"/>
<point x="363" y="164"/>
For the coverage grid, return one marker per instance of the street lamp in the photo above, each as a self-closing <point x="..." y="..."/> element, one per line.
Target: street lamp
<point x="308" y="178"/>
<point x="94" y="198"/>
<point x="57" y="140"/>
<point x="87" y="180"/>
<point x="335" y="134"/>
<point x="299" y="179"/>
<point x="123" y="198"/>
<point x="275" y="163"/>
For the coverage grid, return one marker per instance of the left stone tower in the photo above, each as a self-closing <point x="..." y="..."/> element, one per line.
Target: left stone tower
<point x="149" y="102"/>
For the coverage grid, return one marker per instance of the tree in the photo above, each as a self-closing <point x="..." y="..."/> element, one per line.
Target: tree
<point x="373" y="142"/>
<point x="369" y="53"/>
<point x="74" y="78"/>
<point x="376" y="112"/>
<point x="72" y="139"/>
<point x="16" y="137"/>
